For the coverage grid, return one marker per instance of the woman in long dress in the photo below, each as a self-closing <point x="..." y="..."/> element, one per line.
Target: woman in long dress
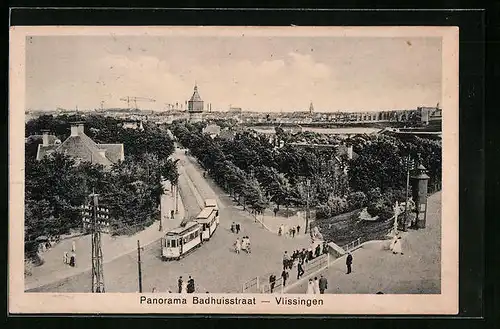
<point x="237" y="246"/>
<point x="316" y="286"/>
<point x="184" y="287"/>
<point x="310" y="287"/>
<point x="396" y="249"/>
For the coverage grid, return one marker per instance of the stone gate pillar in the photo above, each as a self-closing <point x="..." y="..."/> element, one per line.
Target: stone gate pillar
<point x="419" y="192"/>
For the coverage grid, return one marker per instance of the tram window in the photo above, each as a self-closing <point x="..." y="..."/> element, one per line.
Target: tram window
<point x="172" y="243"/>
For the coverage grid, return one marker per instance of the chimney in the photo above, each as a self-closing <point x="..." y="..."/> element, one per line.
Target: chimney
<point x="349" y="152"/>
<point x="45" y="137"/>
<point x="74" y="129"/>
<point x="77" y="128"/>
<point x="81" y="129"/>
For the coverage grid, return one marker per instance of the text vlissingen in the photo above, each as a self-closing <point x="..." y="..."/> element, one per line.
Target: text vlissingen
<point x="195" y="300"/>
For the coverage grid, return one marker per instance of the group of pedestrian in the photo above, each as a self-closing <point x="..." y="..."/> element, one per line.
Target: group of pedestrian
<point x="292" y="231"/>
<point x="235" y="228"/>
<point x="317" y="286"/>
<point x="186" y="287"/>
<point x="71" y="260"/>
<point x="244" y="244"/>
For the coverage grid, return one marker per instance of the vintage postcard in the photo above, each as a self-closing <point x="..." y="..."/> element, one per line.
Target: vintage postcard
<point x="247" y="170"/>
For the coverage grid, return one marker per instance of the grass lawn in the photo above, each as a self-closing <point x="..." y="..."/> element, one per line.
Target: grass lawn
<point x="347" y="227"/>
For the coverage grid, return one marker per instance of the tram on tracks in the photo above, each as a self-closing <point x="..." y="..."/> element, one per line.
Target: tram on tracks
<point x="181" y="240"/>
<point x="208" y="218"/>
<point x="184" y="239"/>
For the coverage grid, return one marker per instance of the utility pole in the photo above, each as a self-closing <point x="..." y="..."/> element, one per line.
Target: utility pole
<point x="139" y="265"/>
<point x="177" y="198"/>
<point x="161" y="196"/>
<point x="308" y="184"/>
<point x="95" y="218"/>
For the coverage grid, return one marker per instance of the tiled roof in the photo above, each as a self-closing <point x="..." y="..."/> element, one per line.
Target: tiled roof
<point x="83" y="148"/>
<point x="114" y="152"/>
<point x="44" y="150"/>
<point x="39" y="138"/>
<point x="196" y="97"/>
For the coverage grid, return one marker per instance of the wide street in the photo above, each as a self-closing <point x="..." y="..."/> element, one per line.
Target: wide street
<point x="214" y="266"/>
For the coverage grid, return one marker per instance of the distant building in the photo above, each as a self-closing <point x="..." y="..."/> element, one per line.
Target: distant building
<point x="212" y="129"/>
<point x="195" y="106"/>
<point x="82" y="148"/>
<point x="311" y="108"/>
<point x="133" y="124"/>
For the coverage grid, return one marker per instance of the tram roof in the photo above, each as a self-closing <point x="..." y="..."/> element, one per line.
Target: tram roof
<point x="181" y="229"/>
<point x="205" y="213"/>
<point x="210" y="203"/>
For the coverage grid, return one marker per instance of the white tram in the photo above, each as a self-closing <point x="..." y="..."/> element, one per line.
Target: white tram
<point x="208" y="218"/>
<point x="181" y="240"/>
<point x="211" y="203"/>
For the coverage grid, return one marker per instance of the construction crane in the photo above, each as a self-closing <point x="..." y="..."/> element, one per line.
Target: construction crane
<point x="129" y="99"/>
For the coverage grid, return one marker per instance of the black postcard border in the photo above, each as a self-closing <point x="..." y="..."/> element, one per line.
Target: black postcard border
<point x="472" y="90"/>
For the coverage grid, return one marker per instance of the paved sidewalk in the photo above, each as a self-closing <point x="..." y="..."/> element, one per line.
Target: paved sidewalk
<point x="417" y="271"/>
<point x="54" y="269"/>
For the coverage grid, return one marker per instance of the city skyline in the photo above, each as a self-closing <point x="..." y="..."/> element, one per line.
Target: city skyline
<point x="264" y="74"/>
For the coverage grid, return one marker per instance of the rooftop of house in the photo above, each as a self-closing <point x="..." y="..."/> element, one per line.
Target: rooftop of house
<point x="81" y="147"/>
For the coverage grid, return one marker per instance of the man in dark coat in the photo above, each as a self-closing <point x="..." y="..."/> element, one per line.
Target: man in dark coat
<point x="190" y="285"/>
<point x="300" y="270"/>
<point x="348" y="262"/>
<point x="179" y="284"/>
<point x="284" y="275"/>
<point x="272" y="282"/>
<point x="323" y="284"/>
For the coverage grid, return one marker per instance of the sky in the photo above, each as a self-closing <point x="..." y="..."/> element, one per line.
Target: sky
<point x="258" y="73"/>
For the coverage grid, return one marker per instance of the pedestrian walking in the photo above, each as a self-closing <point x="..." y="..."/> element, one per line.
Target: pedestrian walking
<point x="190" y="285"/>
<point x="396" y="249"/>
<point x="285" y="260"/>
<point x="72" y="261"/>
<point x="323" y="284"/>
<point x="316" y="285"/>
<point x="272" y="282"/>
<point x="233" y="227"/>
<point x="310" y="287"/>
<point x="298" y="229"/>
<point x="284" y="275"/>
<point x="275" y="210"/>
<point x="293" y="232"/>
<point x="65" y="257"/>
<point x="172" y="212"/>
<point x="184" y="287"/>
<point x="300" y="270"/>
<point x="153" y="291"/>
<point x="179" y="284"/>
<point x="237" y="228"/>
<point x="73" y="246"/>
<point x="348" y="263"/>
<point x="237" y="246"/>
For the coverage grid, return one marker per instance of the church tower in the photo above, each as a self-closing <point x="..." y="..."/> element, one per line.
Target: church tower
<point x="195" y="106"/>
<point x="311" y="108"/>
